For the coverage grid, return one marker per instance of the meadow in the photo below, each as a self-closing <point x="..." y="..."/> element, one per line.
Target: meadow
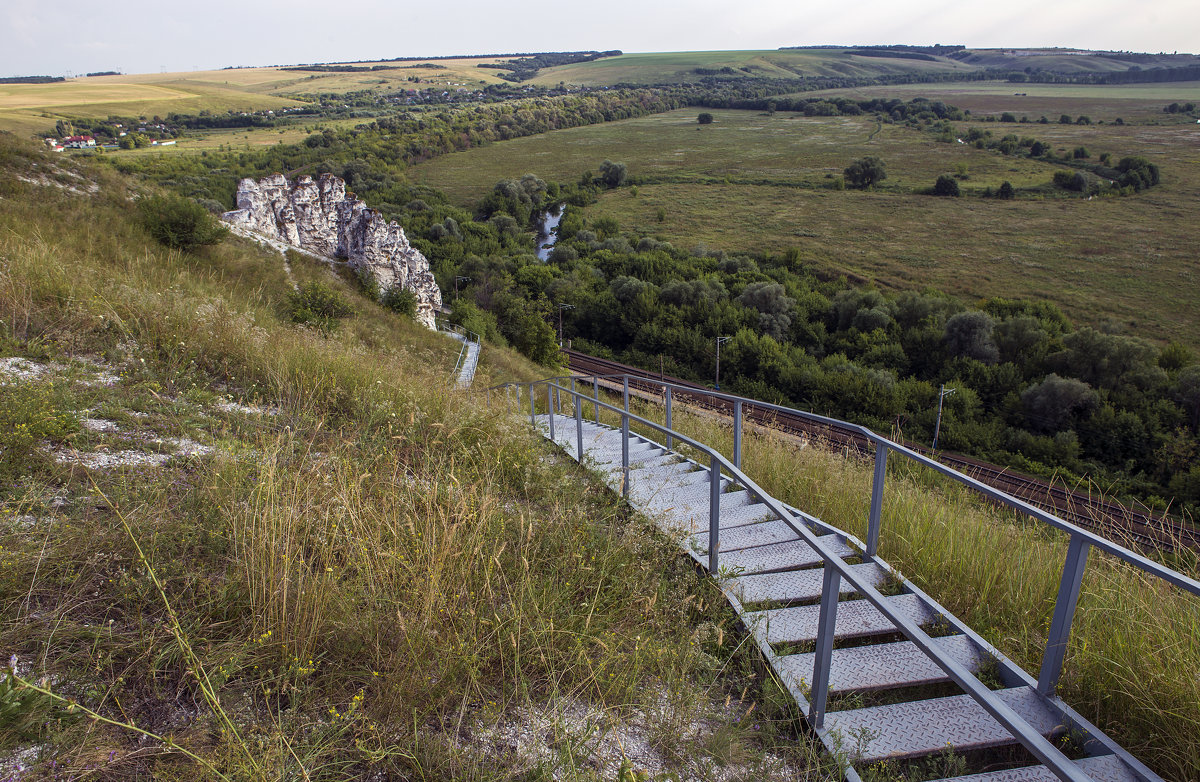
<point x="753" y="183"/>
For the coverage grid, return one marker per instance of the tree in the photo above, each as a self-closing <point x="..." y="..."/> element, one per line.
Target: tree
<point x="705" y="118"/>
<point x="864" y="172"/>
<point x="970" y="334"/>
<point x="612" y="174"/>
<point x="1050" y="404"/>
<point x="1005" y="191"/>
<point x="946" y="185"/>
<point x="775" y="308"/>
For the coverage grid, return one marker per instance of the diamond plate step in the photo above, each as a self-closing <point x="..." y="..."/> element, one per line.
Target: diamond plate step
<point x="747" y="536"/>
<point x="883" y="666"/>
<point x="732" y="515"/>
<point x="692" y="498"/>
<point x="855" y="618"/>
<point x="908" y="730"/>
<point x="781" y="556"/>
<point x="1105" y="768"/>
<point x="794" y="585"/>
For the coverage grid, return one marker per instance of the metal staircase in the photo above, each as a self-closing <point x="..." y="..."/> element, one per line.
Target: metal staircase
<point x="836" y="622"/>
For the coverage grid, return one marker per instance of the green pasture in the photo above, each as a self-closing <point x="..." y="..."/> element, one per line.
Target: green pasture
<point x="670" y="67"/>
<point x="742" y="146"/>
<point x="756" y="183"/>
<point x="1099" y="102"/>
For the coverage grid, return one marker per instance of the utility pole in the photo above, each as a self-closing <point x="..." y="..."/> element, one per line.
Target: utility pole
<point x="457" y="280"/>
<point x="942" y="394"/>
<point x="717" y="382"/>
<point x="562" y="307"/>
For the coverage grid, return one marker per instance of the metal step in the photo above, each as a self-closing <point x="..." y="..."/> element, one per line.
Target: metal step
<point x="732" y="514"/>
<point x="909" y="730"/>
<point x="794" y="585"/>
<point x="748" y="536"/>
<point x="855" y="618"/>
<point x="781" y="556"/>
<point x="1105" y="768"/>
<point x="883" y="666"/>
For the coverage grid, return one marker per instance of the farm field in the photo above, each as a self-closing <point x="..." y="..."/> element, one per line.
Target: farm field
<point x="31" y="108"/>
<point x="1125" y="263"/>
<point x="1100" y="102"/>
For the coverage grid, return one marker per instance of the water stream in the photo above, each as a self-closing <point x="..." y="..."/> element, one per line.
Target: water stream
<point x="548" y="232"/>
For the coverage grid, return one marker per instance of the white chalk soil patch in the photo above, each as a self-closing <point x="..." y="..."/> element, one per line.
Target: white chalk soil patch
<point x="569" y="736"/>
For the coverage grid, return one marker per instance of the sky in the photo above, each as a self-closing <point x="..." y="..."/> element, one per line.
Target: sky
<point x="73" y="37"/>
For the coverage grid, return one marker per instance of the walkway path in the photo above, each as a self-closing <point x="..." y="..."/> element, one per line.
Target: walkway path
<point x="888" y="700"/>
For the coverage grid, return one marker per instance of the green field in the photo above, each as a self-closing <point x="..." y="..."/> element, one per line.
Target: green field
<point x="1100" y="102"/>
<point x="1126" y="263"/>
<point x="671" y="67"/>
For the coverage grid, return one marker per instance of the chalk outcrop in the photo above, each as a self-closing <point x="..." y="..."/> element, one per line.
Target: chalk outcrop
<point x="321" y="217"/>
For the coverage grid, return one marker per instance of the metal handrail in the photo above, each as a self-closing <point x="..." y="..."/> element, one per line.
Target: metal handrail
<point x="1080" y="542"/>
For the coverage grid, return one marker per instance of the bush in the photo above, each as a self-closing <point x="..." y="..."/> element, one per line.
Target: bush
<point x="316" y="304"/>
<point x="178" y="222"/>
<point x="400" y="299"/>
<point x="946" y="185"/>
<point x="1006" y="191"/>
<point x="705" y="118"/>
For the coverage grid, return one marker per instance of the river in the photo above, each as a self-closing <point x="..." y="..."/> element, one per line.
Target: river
<point x="548" y="232"/>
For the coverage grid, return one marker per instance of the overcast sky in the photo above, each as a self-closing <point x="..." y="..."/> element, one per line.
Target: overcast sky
<point x="54" y="37"/>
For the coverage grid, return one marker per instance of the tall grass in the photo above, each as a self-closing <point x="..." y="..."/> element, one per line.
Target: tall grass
<point x="383" y="563"/>
<point x="1135" y="644"/>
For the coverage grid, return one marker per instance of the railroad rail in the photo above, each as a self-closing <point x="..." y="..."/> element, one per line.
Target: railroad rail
<point x="1098" y="514"/>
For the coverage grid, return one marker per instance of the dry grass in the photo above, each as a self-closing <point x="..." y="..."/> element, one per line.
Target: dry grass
<point x="361" y="577"/>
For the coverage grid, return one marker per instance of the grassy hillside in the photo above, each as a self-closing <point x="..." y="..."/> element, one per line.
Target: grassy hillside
<point x="236" y="547"/>
<point x="672" y="67"/>
<point x="756" y="183"/>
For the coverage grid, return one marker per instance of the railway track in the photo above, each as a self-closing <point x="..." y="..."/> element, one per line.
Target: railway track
<point x="1100" y="515"/>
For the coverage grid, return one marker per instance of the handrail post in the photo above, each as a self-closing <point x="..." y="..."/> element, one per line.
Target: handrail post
<point x="670" y="439"/>
<point x="1064" y="613"/>
<point x="826" y="626"/>
<point x="714" y="514"/>
<point x="574" y="398"/>
<point x="596" y="396"/>
<point x="532" y="406"/>
<point x="737" y="434"/>
<point x="625" y="454"/>
<point x="625" y="393"/>
<point x="550" y="389"/>
<point x="874" y="521"/>
<point x="578" y="426"/>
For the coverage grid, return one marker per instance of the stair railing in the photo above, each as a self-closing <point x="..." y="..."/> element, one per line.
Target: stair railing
<point x="835" y="570"/>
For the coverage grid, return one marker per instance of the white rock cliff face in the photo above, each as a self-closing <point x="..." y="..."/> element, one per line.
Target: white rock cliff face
<point x="321" y="217"/>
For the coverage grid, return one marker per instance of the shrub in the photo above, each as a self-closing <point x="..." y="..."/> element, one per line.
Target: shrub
<point x="1006" y="191"/>
<point x="946" y="185"/>
<point x="178" y="222"/>
<point x="705" y="118"/>
<point x="400" y="299"/>
<point x="316" y="304"/>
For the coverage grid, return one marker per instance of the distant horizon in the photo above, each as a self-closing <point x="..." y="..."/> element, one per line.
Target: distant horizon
<point x="79" y="36"/>
<point x="73" y="74"/>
